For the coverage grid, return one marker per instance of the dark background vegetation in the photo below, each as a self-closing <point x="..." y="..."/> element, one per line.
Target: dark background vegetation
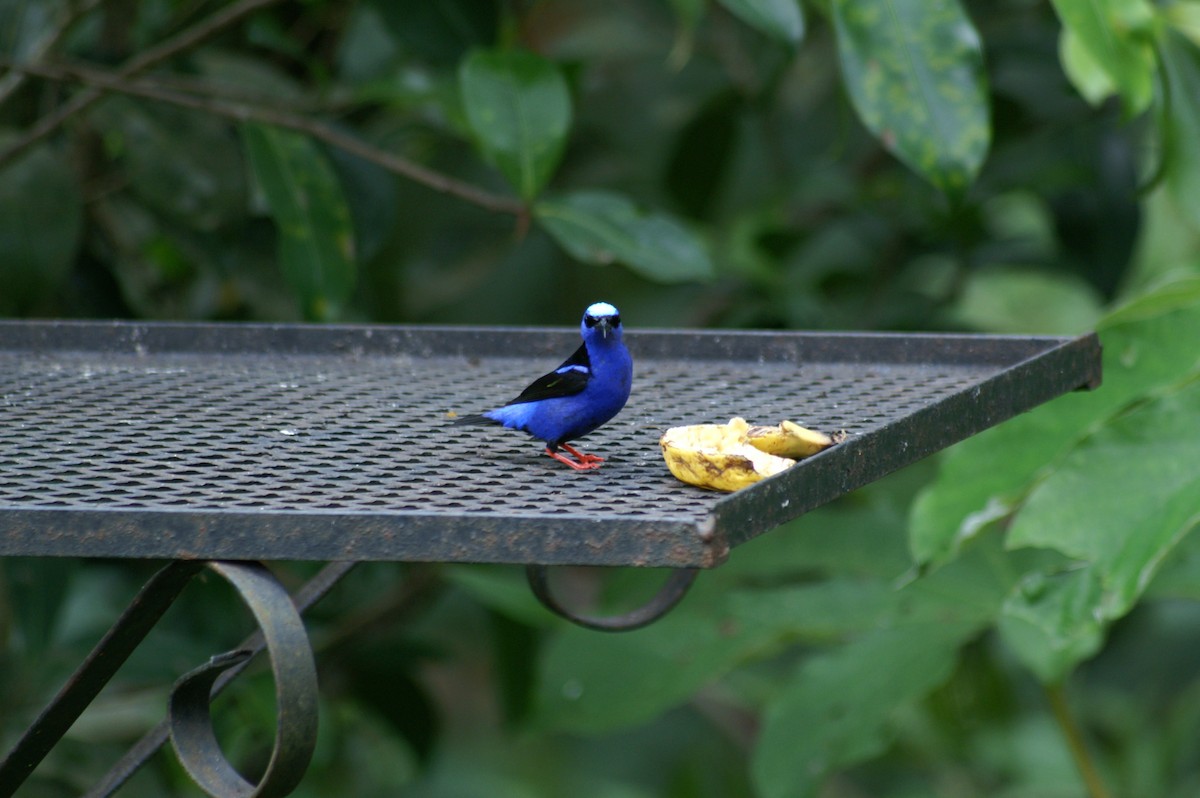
<point x="1018" y="618"/>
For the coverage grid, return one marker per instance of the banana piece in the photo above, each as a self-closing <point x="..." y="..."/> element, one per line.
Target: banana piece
<point x="733" y="456"/>
<point x="717" y="456"/>
<point x="789" y="439"/>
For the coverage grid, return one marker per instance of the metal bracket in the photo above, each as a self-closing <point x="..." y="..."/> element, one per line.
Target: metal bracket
<point x="670" y="594"/>
<point x="281" y="633"/>
<point x="295" y="675"/>
<point x="155" y="597"/>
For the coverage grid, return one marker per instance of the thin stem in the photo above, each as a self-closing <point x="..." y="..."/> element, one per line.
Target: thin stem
<point x="1056" y="695"/>
<point x="220" y="90"/>
<point x="100" y="81"/>
<point x="181" y="42"/>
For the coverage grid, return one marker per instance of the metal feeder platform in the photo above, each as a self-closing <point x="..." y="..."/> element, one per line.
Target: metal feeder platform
<point x="215" y="444"/>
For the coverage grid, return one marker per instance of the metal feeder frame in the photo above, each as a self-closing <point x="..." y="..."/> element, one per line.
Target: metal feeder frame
<point x="218" y="446"/>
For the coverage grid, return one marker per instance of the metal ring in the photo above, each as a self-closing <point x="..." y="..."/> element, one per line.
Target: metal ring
<point x="295" y="675"/>
<point x="670" y="594"/>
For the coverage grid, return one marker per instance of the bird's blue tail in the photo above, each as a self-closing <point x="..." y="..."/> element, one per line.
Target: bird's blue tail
<point x="477" y="419"/>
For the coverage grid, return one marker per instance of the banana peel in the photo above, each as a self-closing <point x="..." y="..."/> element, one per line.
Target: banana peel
<point x="729" y="457"/>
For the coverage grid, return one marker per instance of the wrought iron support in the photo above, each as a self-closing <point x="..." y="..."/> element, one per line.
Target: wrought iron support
<point x="280" y="632"/>
<point x="85" y="684"/>
<point x="122" y="770"/>
<point x="670" y="594"/>
<point x="295" y="674"/>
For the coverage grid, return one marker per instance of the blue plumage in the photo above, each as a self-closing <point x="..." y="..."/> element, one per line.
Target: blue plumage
<point x="587" y="390"/>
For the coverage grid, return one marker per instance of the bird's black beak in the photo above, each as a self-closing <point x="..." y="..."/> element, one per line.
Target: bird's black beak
<point x="605" y="328"/>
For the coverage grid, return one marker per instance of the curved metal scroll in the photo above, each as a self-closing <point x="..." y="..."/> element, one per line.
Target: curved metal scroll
<point x="670" y="594"/>
<point x="295" y="675"/>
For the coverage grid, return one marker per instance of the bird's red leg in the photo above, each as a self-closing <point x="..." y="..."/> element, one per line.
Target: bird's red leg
<point x="580" y="456"/>
<point x="586" y="465"/>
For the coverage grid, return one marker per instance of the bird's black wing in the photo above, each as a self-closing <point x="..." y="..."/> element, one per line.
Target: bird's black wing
<point x="568" y="379"/>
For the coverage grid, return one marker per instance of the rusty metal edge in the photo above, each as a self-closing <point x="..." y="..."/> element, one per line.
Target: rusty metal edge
<point x="406" y="536"/>
<point x="753" y="346"/>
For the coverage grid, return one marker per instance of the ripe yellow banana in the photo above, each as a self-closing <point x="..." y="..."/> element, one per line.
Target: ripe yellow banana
<point x="732" y="456"/>
<point x="788" y="439"/>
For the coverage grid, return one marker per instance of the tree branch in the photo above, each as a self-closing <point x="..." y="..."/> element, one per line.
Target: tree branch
<point x="100" y="82"/>
<point x="181" y="42"/>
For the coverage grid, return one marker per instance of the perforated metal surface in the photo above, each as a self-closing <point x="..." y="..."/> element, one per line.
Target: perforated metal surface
<point x="258" y="442"/>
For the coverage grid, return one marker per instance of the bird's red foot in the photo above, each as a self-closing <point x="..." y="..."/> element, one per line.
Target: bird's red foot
<point x="580" y="456"/>
<point x="580" y="465"/>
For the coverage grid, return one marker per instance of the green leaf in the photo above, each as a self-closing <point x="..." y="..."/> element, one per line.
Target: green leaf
<point x="859" y="535"/>
<point x="779" y="19"/>
<point x="519" y="110"/>
<point x="372" y="197"/>
<point x="1179" y="125"/>
<point x="160" y="268"/>
<point x="591" y="684"/>
<point x="914" y="72"/>
<point x="1118" y="36"/>
<point x="594" y="685"/>
<point x="1168" y="244"/>
<point x="254" y="75"/>
<point x="837" y="709"/>
<point x="439" y="31"/>
<point x="825" y="611"/>
<point x="1184" y="17"/>
<point x="37" y="589"/>
<point x="1027" y="301"/>
<point x="316" y="237"/>
<point x="1177" y="296"/>
<point x="1086" y="74"/>
<point x="153" y="145"/>
<point x="1123" y="498"/>
<point x="688" y="14"/>
<point x="1050" y="621"/>
<point x="604" y="227"/>
<point x="505" y="590"/>
<point x="26" y="26"/>
<point x="1148" y="344"/>
<point x="41" y="224"/>
<point x="1179" y="576"/>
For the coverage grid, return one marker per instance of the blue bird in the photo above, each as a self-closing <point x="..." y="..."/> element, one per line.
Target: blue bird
<point x="587" y="390"/>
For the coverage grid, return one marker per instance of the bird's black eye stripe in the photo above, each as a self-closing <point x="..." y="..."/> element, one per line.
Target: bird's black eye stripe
<point x="616" y="320"/>
<point x="591" y="321"/>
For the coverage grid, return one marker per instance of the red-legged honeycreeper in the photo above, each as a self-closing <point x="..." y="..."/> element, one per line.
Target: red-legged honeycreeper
<point x="587" y="390"/>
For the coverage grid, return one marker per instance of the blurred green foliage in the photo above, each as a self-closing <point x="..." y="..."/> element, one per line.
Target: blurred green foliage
<point x="1017" y="619"/>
